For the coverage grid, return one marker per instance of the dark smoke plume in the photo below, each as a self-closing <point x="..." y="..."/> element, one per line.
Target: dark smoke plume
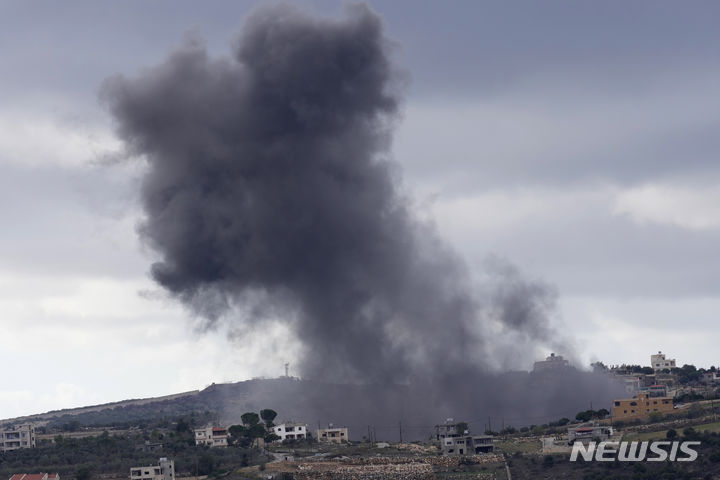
<point x="270" y="194"/>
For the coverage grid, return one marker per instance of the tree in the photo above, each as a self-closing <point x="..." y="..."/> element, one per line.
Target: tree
<point x="82" y="473"/>
<point x="584" y="416"/>
<point x="238" y="436"/>
<point x="671" y="434"/>
<point x="250" y="418"/>
<point x="271" y="437"/>
<point x="182" y="426"/>
<point x="602" y="413"/>
<point x="205" y="464"/>
<point x="256" y="431"/>
<point x="268" y="415"/>
<point x="656" y="417"/>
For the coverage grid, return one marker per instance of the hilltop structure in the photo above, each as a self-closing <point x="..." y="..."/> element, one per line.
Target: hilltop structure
<point x="551" y="363"/>
<point x="658" y="362"/>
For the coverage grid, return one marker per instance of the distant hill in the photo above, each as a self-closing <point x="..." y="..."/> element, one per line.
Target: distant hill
<point x="53" y="414"/>
<point x="517" y="399"/>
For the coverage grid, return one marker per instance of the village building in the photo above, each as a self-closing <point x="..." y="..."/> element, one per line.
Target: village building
<point x="332" y="434"/>
<point x="453" y="441"/>
<point x="659" y="362"/>
<point x="551" y="363"/>
<point x="16" y="437"/>
<point x="211" y="436"/>
<point x="640" y="407"/>
<point x="588" y="433"/>
<point x="164" y="470"/>
<point x="291" y="431"/>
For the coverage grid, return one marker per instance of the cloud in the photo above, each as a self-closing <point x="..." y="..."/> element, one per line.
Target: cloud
<point x="695" y="207"/>
<point x="33" y="140"/>
<point x="545" y="133"/>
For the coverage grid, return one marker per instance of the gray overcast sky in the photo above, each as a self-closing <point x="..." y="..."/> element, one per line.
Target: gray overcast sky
<point x="577" y="139"/>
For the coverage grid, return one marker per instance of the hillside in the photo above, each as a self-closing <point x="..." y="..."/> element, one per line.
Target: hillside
<point x="519" y="397"/>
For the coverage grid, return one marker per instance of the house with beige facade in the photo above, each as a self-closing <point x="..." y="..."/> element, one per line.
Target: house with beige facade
<point x="659" y="362"/>
<point x="332" y="434"/>
<point x="17" y="437"/>
<point x="211" y="436"/>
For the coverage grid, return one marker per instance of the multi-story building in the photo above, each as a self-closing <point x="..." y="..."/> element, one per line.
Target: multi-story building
<point x="551" y="363"/>
<point x="641" y="407"/>
<point x="165" y="470"/>
<point x="659" y="362"/>
<point x="467" y="444"/>
<point x="16" y="437"/>
<point x="291" y="431"/>
<point x="211" y="436"/>
<point x="454" y="439"/>
<point x="333" y="434"/>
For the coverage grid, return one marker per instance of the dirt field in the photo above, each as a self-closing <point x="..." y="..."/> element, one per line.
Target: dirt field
<point x="472" y="467"/>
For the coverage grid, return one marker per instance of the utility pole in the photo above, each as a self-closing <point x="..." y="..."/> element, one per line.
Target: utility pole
<point x="489" y="425"/>
<point x="400" y="426"/>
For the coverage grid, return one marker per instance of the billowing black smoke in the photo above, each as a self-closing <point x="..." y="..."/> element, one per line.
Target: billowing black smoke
<point x="270" y="195"/>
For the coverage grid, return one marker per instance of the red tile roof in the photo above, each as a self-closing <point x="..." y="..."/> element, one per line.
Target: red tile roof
<point x="35" y="476"/>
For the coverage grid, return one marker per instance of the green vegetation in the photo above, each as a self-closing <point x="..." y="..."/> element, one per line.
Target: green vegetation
<point x="84" y="458"/>
<point x="713" y="427"/>
<point x="588" y="415"/>
<point x="247" y="434"/>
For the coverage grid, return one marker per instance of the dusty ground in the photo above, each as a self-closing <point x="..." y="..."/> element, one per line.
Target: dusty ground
<point x="386" y="467"/>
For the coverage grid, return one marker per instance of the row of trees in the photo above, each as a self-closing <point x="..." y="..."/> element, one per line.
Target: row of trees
<point x="587" y="415"/>
<point x="685" y="374"/>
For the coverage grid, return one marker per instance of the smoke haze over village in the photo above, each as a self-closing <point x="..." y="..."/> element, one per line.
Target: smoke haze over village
<point x="204" y="195"/>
